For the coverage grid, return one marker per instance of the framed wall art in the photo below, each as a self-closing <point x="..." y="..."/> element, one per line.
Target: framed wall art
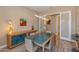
<point x="23" y="22"/>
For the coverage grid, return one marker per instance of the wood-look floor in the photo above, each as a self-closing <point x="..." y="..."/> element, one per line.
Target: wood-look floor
<point x="65" y="46"/>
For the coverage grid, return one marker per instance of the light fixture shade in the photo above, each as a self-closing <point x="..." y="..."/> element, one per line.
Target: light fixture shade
<point x="10" y="27"/>
<point x="41" y="17"/>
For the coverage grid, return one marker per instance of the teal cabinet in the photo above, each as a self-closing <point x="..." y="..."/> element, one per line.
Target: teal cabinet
<point x="14" y="41"/>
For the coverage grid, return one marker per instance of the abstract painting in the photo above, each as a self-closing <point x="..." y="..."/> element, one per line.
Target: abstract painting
<point x="23" y="22"/>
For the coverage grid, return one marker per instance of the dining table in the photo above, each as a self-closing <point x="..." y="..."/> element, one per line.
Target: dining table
<point x="41" y="39"/>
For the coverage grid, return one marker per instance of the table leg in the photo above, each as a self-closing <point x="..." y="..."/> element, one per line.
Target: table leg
<point x="43" y="49"/>
<point x="77" y="45"/>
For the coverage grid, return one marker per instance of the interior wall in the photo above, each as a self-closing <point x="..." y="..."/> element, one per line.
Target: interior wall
<point x="52" y="26"/>
<point x="14" y="14"/>
<point x="77" y="22"/>
<point x="61" y="9"/>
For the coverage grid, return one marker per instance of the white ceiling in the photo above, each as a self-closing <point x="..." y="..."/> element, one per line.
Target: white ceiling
<point x="41" y="8"/>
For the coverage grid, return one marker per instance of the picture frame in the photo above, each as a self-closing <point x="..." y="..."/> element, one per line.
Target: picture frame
<point x="23" y="22"/>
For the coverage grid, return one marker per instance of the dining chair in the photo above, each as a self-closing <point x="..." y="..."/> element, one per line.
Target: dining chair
<point x="54" y="41"/>
<point x="68" y="46"/>
<point x="57" y="40"/>
<point x="76" y="46"/>
<point x="30" y="46"/>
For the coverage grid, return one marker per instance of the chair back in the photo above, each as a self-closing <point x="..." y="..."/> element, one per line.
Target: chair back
<point x="29" y="45"/>
<point x="55" y="40"/>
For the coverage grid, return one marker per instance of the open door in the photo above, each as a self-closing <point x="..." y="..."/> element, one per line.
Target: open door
<point x="65" y="25"/>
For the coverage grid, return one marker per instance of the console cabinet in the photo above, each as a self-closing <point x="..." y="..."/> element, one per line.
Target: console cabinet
<point x="17" y="38"/>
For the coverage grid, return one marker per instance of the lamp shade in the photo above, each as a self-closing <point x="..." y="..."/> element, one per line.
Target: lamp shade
<point x="10" y="27"/>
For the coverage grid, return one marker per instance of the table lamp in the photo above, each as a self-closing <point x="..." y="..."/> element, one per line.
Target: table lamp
<point x="10" y="27"/>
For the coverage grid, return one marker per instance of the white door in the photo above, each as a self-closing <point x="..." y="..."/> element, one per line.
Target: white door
<point x="65" y="25"/>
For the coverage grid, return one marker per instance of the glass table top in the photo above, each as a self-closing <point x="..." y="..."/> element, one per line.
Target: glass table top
<point x="40" y="38"/>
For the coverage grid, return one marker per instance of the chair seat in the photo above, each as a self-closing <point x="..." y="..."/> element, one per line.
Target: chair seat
<point x="33" y="50"/>
<point x="29" y="46"/>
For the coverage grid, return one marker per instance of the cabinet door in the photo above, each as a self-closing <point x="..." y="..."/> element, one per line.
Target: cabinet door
<point x="15" y="40"/>
<point x="65" y="25"/>
<point x="18" y="39"/>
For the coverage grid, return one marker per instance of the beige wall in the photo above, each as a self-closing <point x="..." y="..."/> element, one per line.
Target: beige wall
<point x="52" y="26"/>
<point x="77" y="22"/>
<point x="61" y="9"/>
<point x="15" y="13"/>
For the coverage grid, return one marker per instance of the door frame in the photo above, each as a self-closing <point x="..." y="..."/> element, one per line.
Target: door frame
<point x="58" y="24"/>
<point x="69" y="39"/>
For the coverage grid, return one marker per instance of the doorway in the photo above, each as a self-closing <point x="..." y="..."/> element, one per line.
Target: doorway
<point x="65" y="25"/>
<point x="61" y="23"/>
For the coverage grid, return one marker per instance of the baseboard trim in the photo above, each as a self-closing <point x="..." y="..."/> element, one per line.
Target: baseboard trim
<point x="3" y="46"/>
<point x="68" y="40"/>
